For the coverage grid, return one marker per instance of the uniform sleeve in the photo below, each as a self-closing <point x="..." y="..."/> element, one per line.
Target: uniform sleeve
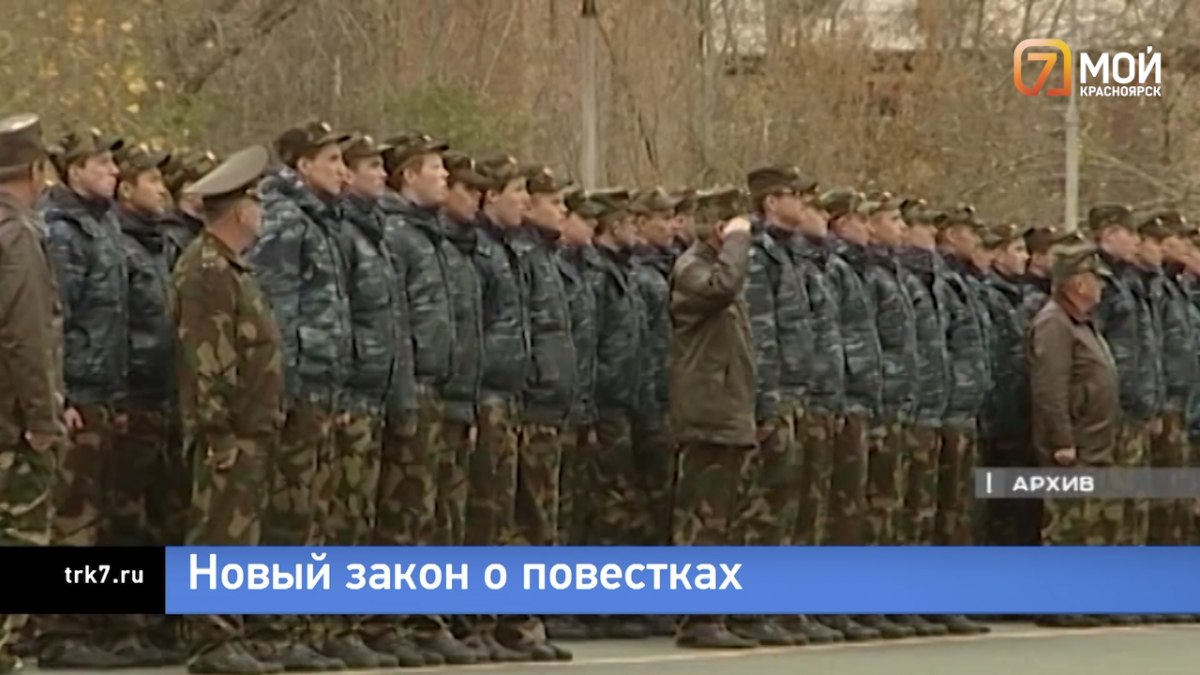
<point x="760" y="301"/>
<point x="27" y="330"/>
<point x="403" y="391"/>
<point x="277" y="262"/>
<point x="70" y="262"/>
<point x="207" y="334"/>
<point x="703" y="290"/>
<point x="1050" y="382"/>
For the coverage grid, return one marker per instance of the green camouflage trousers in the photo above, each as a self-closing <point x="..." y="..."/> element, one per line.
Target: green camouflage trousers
<point x="953" y="525"/>
<point x="229" y="498"/>
<point x="815" y="436"/>
<point x="771" y="499"/>
<point x="1169" y="518"/>
<point x="922" y="445"/>
<point x="1133" y="453"/>
<point x="887" y="475"/>
<point x="407" y="502"/>
<point x="169" y="497"/>
<point x="137" y="462"/>
<point x="710" y="499"/>
<point x="452" y="492"/>
<point x="26" y="509"/>
<point x="655" y="457"/>
<point x="359" y="445"/>
<point x="572" y="493"/>
<point x="539" y="461"/>
<point x="1012" y="522"/>
<point x="492" y="478"/>
<point x="1082" y="522"/>
<point x="618" y="514"/>
<point x="848" y="488"/>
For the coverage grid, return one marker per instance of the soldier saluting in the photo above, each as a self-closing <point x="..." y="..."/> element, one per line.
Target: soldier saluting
<point x="230" y="372"/>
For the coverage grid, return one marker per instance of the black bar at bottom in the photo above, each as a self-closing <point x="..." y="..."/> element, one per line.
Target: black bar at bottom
<point x="83" y="580"/>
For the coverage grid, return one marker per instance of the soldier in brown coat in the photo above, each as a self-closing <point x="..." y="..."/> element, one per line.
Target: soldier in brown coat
<point x="1073" y="386"/>
<point x="31" y="386"/>
<point x="712" y="392"/>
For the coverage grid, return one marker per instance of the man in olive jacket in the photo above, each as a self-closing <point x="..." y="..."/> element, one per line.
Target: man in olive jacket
<point x="712" y="392"/>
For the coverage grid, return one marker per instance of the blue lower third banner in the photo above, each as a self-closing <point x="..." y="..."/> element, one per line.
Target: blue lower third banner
<point x="683" y="580"/>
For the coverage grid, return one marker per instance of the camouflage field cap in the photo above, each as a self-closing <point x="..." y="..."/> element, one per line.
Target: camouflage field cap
<point x="1105" y="216"/>
<point x="1165" y="224"/>
<point x="362" y="146"/>
<point x="187" y="166"/>
<point x="580" y="202"/>
<point x="925" y="216"/>
<point x="76" y="147"/>
<point x="720" y="204"/>
<point x="20" y="141"/>
<point x="541" y="180"/>
<point x="499" y="170"/>
<point x="653" y="201"/>
<point x="303" y="140"/>
<point x="133" y="160"/>
<point x="612" y="203"/>
<point x="685" y="201"/>
<point x="409" y="145"/>
<point x="962" y="215"/>
<point x="1075" y="259"/>
<point x="237" y="176"/>
<point x="779" y="180"/>
<point x="909" y="206"/>
<point x="461" y="168"/>
<point x="879" y="202"/>
<point x="999" y="236"/>
<point x="839" y="202"/>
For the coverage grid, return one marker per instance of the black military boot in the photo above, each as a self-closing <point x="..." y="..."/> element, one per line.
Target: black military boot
<point x="352" y="651"/>
<point x="1124" y="619"/>
<point x="849" y="628"/>
<point x="1068" y="621"/>
<point x="760" y="629"/>
<point x="77" y="654"/>
<point x="230" y="658"/>
<point x="919" y="624"/>
<point x="958" y="624"/>
<point x="399" y="646"/>
<point x="294" y="656"/>
<point x="499" y="653"/>
<point x="711" y="635"/>
<point x="662" y="625"/>
<point x="566" y="627"/>
<point x="143" y="654"/>
<point x="444" y="643"/>
<point x="887" y="629"/>
<point x="627" y="627"/>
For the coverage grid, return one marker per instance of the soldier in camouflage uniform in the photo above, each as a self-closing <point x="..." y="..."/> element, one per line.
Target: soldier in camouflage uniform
<point x="684" y="222"/>
<point x="84" y="243"/>
<point x="1161" y="251"/>
<point x="230" y="398"/>
<point x="1190" y="259"/>
<point x="778" y="305"/>
<point x="298" y="263"/>
<point x="184" y="222"/>
<point x="1068" y="359"/>
<point x="712" y="394"/>
<point x="371" y="287"/>
<point x="1035" y="283"/>
<point x="1125" y="319"/>
<point x="415" y="434"/>
<point x="31" y="377"/>
<point x="149" y="453"/>
<point x="1015" y="522"/>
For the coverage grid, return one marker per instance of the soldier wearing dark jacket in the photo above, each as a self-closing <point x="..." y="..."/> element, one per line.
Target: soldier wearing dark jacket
<point x="931" y="301"/>
<point x="1162" y="241"/>
<point x="1125" y="318"/>
<point x="183" y="223"/>
<point x="1035" y="283"/>
<point x="298" y="263"/>
<point x="85" y="247"/>
<point x="415" y="443"/>
<point x="551" y="385"/>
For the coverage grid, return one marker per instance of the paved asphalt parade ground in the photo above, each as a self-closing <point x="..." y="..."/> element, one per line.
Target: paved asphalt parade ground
<point x="1010" y="649"/>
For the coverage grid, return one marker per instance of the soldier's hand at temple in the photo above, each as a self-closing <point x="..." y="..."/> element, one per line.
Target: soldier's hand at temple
<point x="1155" y="426"/>
<point x="472" y="437"/>
<point x="73" y="419"/>
<point x="39" y="442"/>
<point x="342" y="421"/>
<point x="1065" y="456"/>
<point x="738" y="224"/>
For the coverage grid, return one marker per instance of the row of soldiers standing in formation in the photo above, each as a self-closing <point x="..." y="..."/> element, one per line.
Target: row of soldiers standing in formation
<point x="447" y="325"/>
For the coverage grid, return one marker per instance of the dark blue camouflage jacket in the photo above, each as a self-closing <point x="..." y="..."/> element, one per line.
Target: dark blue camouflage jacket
<point x="793" y="316"/>
<point x="619" y="317"/>
<point x="298" y="263"/>
<point x="930" y="300"/>
<point x="551" y="379"/>
<point x="966" y="343"/>
<point x="1125" y="320"/>
<point x="1177" y="342"/>
<point x="760" y="304"/>
<point x="149" y="254"/>
<point x="896" y="323"/>
<point x="1006" y="412"/>
<point x="1035" y="293"/>
<point x="85" y="245"/>
<point x="182" y="229"/>
<point x="860" y="336"/>
<point x="826" y="386"/>
<point x="651" y="271"/>
<point x="461" y="391"/>
<point x="574" y="262"/>
<point x="506" y="339"/>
